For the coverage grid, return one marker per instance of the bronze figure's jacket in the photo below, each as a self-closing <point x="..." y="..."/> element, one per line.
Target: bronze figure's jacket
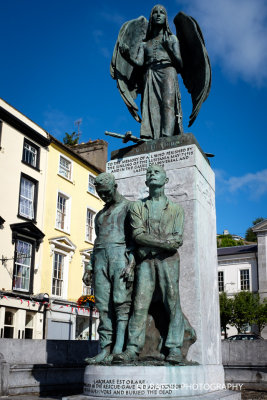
<point x="170" y="227"/>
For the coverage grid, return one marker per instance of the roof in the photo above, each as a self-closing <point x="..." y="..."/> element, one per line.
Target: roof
<point x="260" y="226"/>
<point x="225" y="251"/>
<point x="73" y="153"/>
<point x="23" y="124"/>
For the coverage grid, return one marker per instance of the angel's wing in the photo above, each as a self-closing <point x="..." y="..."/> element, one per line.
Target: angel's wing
<point x="196" y="71"/>
<point x="127" y="75"/>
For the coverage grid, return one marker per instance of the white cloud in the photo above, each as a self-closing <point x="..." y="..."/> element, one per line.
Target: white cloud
<point x="105" y="52"/>
<point x="100" y="40"/>
<point x="113" y="17"/>
<point x="97" y="35"/>
<point x="57" y="123"/>
<point x="253" y="184"/>
<point x="235" y="32"/>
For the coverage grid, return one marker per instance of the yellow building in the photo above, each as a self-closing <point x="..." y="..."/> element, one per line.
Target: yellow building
<point x="71" y="204"/>
<point x="23" y="164"/>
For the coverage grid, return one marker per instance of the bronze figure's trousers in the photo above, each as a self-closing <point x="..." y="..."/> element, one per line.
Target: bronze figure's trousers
<point x="166" y="270"/>
<point x="110" y="288"/>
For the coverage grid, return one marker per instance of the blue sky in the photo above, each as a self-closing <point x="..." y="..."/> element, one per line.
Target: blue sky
<point x="54" y="68"/>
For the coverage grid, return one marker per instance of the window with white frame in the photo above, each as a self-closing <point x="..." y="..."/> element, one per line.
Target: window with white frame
<point x="89" y="235"/>
<point x="63" y="207"/>
<point x="58" y="270"/>
<point x="65" y="167"/>
<point x="91" y="184"/>
<point x="62" y="250"/>
<point x="27" y="198"/>
<point x="221" y="281"/>
<point x="244" y="279"/>
<point x="8" y="331"/>
<point x="29" y="325"/>
<point x="30" y="154"/>
<point x="22" y="267"/>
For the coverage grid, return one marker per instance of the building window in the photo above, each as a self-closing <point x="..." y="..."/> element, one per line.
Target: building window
<point x="8" y="325"/>
<point x="30" y="154"/>
<point x="244" y="279"/>
<point x="27" y="197"/>
<point x="91" y="184"/>
<point x="89" y="225"/>
<point x="221" y="281"/>
<point x="22" y="268"/>
<point x="29" y="325"/>
<point x="58" y="266"/>
<point x="65" y="167"/>
<point x="62" y="220"/>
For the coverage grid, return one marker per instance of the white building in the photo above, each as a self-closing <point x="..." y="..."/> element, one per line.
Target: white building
<point x="244" y="268"/>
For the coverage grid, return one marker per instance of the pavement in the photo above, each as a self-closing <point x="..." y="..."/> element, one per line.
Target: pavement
<point x="245" y="395"/>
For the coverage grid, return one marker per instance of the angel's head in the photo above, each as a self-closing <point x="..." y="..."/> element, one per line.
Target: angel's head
<point x="158" y="16"/>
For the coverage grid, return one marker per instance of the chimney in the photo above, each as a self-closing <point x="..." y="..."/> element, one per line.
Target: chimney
<point x="95" y="152"/>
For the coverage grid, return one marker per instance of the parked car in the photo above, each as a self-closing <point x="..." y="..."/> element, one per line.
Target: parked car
<point x="245" y="336"/>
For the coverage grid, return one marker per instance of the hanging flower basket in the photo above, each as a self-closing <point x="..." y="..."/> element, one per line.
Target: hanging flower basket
<point x="86" y="300"/>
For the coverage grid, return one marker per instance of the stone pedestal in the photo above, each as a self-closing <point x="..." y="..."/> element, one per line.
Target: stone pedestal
<point x="151" y="382"/>
<point x="192" y="184"/>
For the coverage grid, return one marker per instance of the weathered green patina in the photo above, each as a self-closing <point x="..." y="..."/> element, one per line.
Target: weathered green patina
<point x="147" y="58"/>
<point x="112" y="263"/>
<point x="157" y="228"/>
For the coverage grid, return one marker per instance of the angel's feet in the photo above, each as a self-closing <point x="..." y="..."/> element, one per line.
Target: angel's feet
<point x="99" y="357"/>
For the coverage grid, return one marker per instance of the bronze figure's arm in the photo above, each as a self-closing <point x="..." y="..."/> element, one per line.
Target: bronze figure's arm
<point x="171" y="44"/>
<point x="138" y="60"/>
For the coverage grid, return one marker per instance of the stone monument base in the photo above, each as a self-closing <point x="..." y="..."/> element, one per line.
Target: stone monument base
<point x="218" y="395"/>
<point x="137" y="382"/>
<point x="201" y="382"/>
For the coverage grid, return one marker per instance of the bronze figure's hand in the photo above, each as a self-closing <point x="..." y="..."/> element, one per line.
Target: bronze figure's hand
<point x="87" y="278"/>
<point x="128" y="272"/>
<point x="124" y="50"/>
<point x="167" y="42"/>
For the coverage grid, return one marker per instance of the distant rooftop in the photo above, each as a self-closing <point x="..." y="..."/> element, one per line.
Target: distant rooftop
<point x="224" y="251"/>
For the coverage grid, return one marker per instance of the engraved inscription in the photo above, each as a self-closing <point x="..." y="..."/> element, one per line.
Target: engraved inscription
<point x="139" y="164"/>
<point x="129" y="387"/>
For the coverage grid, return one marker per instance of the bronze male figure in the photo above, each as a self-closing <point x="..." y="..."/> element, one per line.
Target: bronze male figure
<point x="112" y="263"/>
<point x="157" y="228"/>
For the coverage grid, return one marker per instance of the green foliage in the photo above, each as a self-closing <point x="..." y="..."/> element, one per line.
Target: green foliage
<point x="257" y="220"/>
<point x="248" y="309"/>
<point x="245" y="308"/>
<point x="226" y="311"/>
<point x="71" y="139"/>
<point x="260" y="315"/>
<point x="244" y="305"/>
<point x="228" y="241"/>
<point x="250" y="235"/>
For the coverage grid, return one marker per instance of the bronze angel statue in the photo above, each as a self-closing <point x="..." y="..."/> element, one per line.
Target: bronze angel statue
<point x="147" y="58"/>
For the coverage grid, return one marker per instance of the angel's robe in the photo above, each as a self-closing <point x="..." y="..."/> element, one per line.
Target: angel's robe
<point x="161" y="100"/>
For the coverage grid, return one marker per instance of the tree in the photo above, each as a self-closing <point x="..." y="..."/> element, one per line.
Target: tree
<point x="260" y="315"/>
<point x="228" y="241"/>
<point x="250" y="235"/>
<point x="226" y="311"/>
<point x="71" y="139"/>
<point x="245" y="305"/>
